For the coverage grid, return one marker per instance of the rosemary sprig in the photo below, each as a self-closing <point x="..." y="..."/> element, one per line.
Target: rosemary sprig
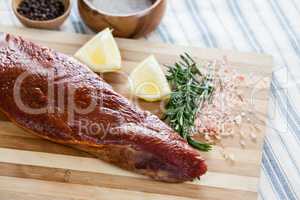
<point x="190" y="89"/>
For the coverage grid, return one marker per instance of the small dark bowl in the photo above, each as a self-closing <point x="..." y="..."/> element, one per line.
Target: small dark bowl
<point x="130" y="25"/>
<point x="45" y="24"/>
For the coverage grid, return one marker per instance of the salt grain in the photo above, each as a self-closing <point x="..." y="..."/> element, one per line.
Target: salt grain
<point x="242" y="134"/>
<point x="243" y="143"/>
<point x="120" y="7"/>
<point x="238" y="119"/>
<point x="217" y="137"/>
<point x="206" y="137"/>
<point x="253" y="136"/>
<point x="231" y="157"/>
<point x="229" y="111"/>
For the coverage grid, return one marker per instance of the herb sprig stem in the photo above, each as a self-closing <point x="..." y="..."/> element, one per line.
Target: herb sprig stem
<point x="190" y="89"/>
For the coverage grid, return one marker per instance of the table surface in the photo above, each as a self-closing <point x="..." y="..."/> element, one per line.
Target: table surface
<point x="263" y="26"/>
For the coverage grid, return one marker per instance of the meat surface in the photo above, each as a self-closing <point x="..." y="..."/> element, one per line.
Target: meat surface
<point x="57" y="98"/>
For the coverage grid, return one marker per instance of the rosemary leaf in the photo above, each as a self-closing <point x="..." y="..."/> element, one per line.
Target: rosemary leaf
<point x="190" y="89"/>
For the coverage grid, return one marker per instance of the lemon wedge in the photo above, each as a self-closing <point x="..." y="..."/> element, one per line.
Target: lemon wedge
<point x="101" y="53"/>
<point x="148" y="81"/>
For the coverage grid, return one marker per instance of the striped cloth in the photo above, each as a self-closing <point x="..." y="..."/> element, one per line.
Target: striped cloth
<point x="263" y="26"/>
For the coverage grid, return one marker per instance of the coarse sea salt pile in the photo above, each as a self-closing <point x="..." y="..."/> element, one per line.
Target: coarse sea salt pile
<point x="224" y="114"/>
<point x="121" y="7"/>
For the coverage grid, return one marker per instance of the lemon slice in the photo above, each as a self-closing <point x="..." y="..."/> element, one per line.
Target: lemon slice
<point x="101" y="53"/>
<point x="148" y="81"/>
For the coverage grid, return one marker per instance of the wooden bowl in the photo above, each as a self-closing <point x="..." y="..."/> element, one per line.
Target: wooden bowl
<point x="131" y="25"/>
<point x="46" y="24"/>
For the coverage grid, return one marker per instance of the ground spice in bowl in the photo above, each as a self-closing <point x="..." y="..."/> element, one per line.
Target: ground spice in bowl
<point x="41" y="10"/>
<point x="122" y="7"/>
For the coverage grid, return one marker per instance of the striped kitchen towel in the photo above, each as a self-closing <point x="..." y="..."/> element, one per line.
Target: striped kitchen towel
<point x="263" y="26"/>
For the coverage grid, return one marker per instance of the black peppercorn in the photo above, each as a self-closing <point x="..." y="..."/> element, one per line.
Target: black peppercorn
<point x="41" y="9"/>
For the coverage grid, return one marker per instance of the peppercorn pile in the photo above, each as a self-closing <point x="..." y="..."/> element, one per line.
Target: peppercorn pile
<point x="41" y="9"/>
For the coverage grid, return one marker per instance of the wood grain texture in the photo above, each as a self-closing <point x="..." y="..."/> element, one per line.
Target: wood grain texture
<point x="33" y="168"/>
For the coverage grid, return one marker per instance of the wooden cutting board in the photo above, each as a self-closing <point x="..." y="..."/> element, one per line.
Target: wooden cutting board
<point x="35" y="169"/>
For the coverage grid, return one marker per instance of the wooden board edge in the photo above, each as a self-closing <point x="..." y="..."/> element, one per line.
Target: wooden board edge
<point x="78" y="38"/>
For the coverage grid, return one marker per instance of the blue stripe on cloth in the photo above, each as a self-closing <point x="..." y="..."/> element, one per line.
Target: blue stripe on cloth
<point x="280" y="174"/>
<point x="204" y="37"/>
<point x="283" y="58"/>
<point x="161" y="35"/>
<point x="200" y="18"/>
<point x="178" y="21"/>
<point x="222" y="23"/>
<point x="165" y="31"/>
<point x="74" y="23"/>
<point x="295" y="43"/>
<point x="81" y="26"/>
<point x="283" y="100"/>
<point x="278" y="96"/>
<point x="286" y="27"/>
<point x="237" y="21"/>
<point x="269" y="33"/>
<point x="235" y="10"/>
<point x="286" y="21"/>
<point x="285" y="146"/>
<point x="267" y="168"/>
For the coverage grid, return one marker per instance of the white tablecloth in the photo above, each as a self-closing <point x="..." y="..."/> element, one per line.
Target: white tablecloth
<point x="266" y="26"/>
